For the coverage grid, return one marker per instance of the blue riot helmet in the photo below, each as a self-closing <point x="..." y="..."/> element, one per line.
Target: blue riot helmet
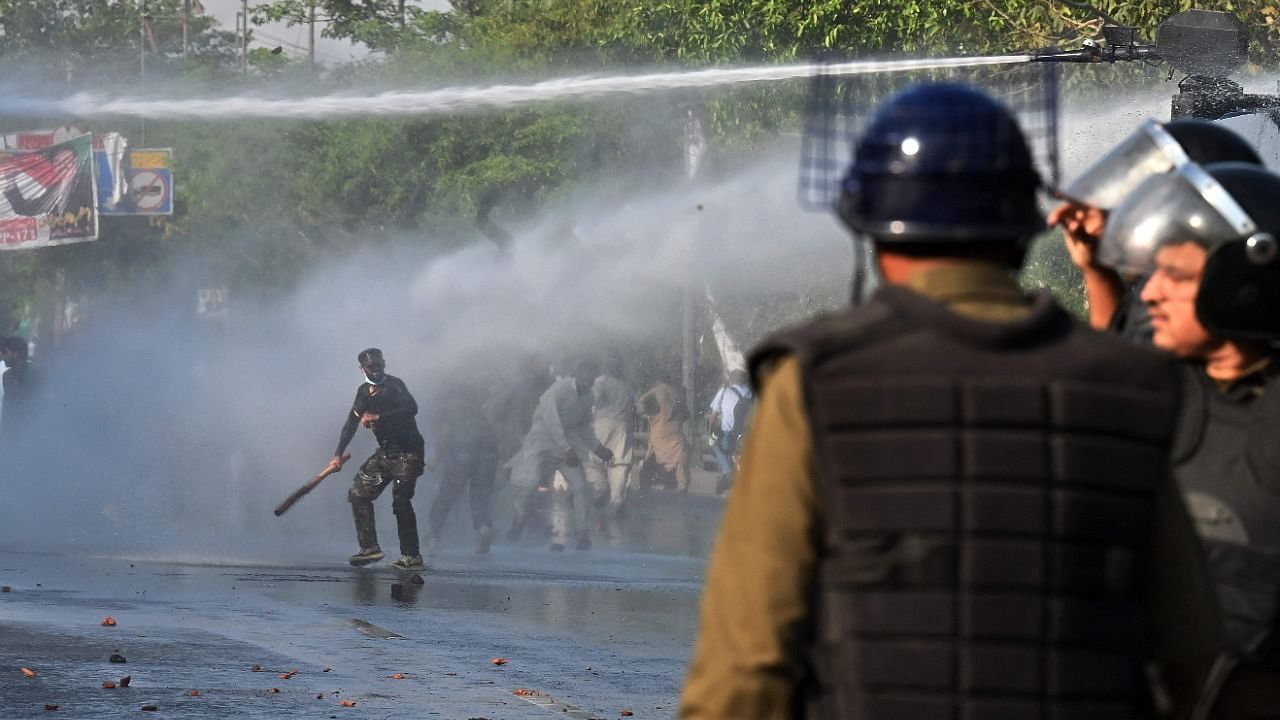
<point x="942" y="163"/>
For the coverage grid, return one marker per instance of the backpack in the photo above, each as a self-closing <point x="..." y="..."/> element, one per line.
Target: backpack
<point x="741" y="416"/>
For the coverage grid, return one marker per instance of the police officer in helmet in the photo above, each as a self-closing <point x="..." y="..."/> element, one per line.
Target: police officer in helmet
<point x="953" y="501"/>
<point x="1153" y="148"/>
<point x="1208" y="238"/>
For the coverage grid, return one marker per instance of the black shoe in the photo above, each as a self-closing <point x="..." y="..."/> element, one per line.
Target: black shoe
<point x="513" y="534"/>
<point x="366" y="556"/>
<point x="483" y="538"/>
<point x="556" y="547"/>
<point x="723" y="483"/>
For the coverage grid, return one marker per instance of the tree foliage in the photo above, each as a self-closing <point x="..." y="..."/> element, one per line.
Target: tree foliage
<point x="277" y="195"/>
<point x="80" y="42"/>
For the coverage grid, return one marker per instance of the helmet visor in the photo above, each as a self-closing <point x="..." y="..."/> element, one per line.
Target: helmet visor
<point x="1149" y="150"/>
<point x="1186" y="205"/>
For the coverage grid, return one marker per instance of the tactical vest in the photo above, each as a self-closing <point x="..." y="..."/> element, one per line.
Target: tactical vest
<point x="988" y="500"/>
<point x="1227" y="462"/>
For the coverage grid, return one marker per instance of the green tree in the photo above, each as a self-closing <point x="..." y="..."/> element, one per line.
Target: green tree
<point x="89" y="42"/>
<point x="278" y="195"/>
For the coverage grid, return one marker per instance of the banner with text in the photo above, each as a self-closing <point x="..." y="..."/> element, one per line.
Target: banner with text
<point x="48" y="196"/>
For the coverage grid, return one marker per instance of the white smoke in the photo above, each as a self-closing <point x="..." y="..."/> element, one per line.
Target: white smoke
<point x="164" y="439"/>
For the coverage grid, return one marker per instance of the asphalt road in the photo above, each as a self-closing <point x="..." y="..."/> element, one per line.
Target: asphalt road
<point x="580" y="634"/>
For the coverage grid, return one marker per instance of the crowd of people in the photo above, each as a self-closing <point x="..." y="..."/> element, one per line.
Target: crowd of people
<point x="954" y="500"/>
<point x="957" y="500"/>
<point x="572" y="438"/>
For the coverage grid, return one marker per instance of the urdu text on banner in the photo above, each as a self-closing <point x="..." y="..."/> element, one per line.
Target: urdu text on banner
<point x="48" y="196"/>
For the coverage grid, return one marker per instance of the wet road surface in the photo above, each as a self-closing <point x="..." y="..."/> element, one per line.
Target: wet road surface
<point x="587" y="634"/>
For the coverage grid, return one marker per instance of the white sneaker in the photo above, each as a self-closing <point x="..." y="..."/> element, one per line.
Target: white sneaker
<point x="409" y="562"/>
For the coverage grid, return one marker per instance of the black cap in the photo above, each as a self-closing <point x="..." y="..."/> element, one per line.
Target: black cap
<point x="370" y="356"/>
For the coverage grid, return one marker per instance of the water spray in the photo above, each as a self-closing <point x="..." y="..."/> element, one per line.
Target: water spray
<point x="456" y="100"/>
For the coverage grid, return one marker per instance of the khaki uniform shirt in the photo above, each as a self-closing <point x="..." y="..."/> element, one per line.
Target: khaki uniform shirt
<point x="755" y="611"/>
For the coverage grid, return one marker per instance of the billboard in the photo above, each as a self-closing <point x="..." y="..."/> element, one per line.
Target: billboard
<point x="48" y="196"/>
<point x="130" y="181"/>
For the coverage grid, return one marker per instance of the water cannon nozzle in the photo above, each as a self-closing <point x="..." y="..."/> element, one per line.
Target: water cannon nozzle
<point x="1092" y="52"/>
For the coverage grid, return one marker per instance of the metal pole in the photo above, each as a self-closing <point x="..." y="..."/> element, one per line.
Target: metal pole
<point x="244" y="38"/>
<point x="695" y="149"/>
<point x="142" y="39"/>
<point x="311" y="36"/>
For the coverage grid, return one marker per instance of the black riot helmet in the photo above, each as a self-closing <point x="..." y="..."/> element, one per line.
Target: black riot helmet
<point x="942" y="163"/>
<point x="1239" y="294"/>
<point x="1207" y="142"/>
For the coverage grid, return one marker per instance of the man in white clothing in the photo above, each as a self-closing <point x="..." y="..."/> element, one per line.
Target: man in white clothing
<point x="614" y="422"/>
<point x="724" y="421"/>
<point x="559" y="440"/>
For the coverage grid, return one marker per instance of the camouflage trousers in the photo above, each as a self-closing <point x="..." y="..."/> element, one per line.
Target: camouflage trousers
<point x="401" y="471"/>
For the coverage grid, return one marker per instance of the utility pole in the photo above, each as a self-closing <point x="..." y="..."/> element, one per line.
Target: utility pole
<point x="186" y="20"/>
<point x="142" y="39"/>
<point x="692" y="115"/>
<point x="244" y="36"/>
<point x="311" y="35"/>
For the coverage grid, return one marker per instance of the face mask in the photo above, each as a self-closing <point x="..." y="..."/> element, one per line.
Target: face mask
<point x="374" y="377"/>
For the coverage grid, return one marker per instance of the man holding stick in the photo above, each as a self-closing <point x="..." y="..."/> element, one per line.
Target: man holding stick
<point x="383" y="403"/>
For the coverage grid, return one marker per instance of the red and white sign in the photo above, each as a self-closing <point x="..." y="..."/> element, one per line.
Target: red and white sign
<point x="48" y="196"/>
